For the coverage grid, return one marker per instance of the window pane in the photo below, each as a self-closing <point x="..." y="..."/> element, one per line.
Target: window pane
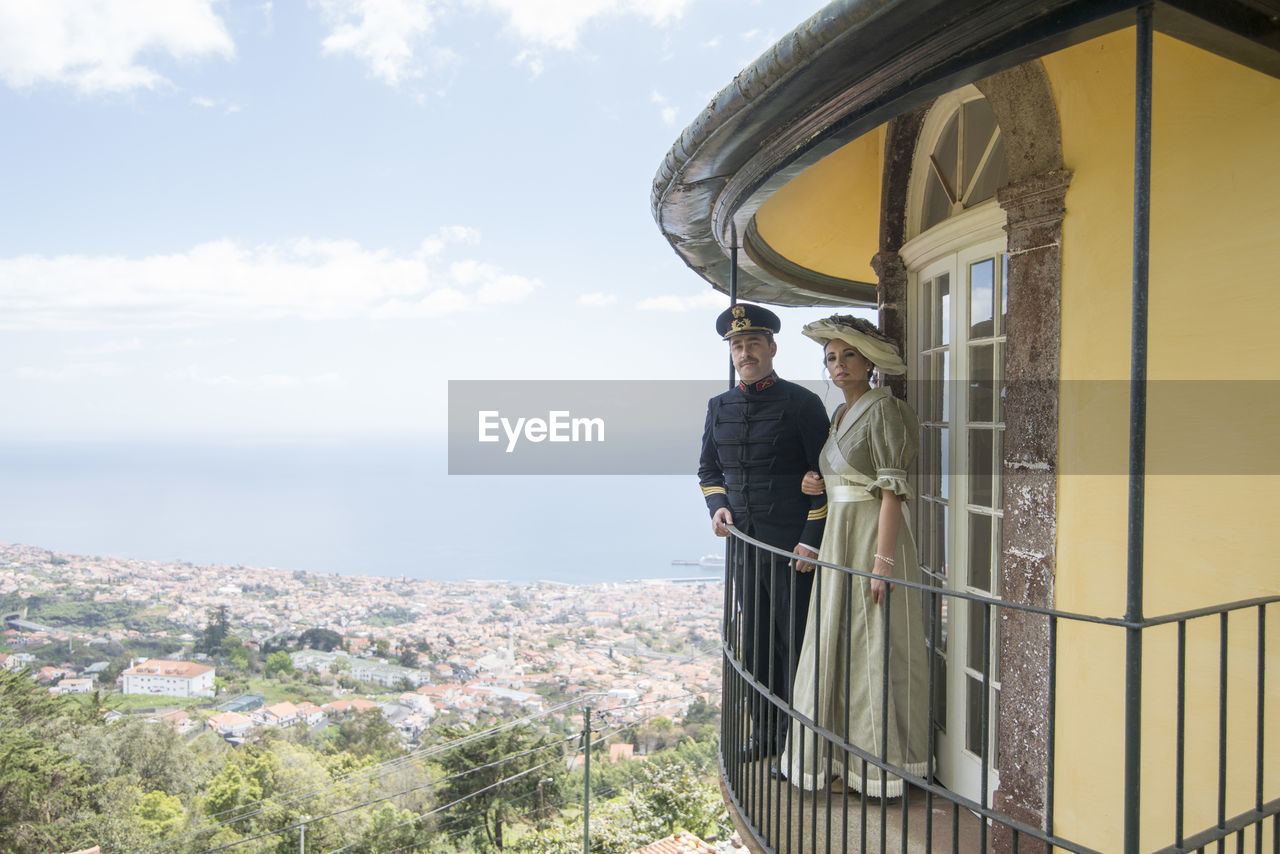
<point x="997" y="471"/>
<point x="924" y="536"/>
<point x="940" y="311"/>
<point x="994" y="175"/>
<point x="937" y="207"/>
<point x="973" y="710"/>
<point x="1004" y="290"/>
<point x="929" y="461"/>
<point x="996" y="525"/>
<point x="942" y="543"/>
<point x="980" y="551"/>
<point x="994" y="749"/>
<point x="935" y="411"/>
<point x="982" y="277"/>
<point x="979" y="124"/>
<point x="981" y="383"/>
<point x="940" y="691"/>
<point x="944" y="388"/>
<point x="974" y="656"/>
<point x="944" y="153"/>
<point x="981" y="466"/>
<point x="944" y="466"/>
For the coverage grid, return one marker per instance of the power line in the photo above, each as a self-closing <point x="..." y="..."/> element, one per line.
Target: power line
<point x="606" y="736"/>
<point x="395" y="795"/>
<point x="284" y="799"/>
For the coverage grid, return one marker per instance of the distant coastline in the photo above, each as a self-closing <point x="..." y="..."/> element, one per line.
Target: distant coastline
<point x="357" y="507"/>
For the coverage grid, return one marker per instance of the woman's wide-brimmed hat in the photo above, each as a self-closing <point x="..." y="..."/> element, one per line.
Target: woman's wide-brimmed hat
<point x="883" y="354"/>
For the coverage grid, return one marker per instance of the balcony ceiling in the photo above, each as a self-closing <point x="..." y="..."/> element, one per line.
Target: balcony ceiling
<point x="855" y="65"/>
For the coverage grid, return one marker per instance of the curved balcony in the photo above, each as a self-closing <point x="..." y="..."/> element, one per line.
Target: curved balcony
<point x="773" y="815"/>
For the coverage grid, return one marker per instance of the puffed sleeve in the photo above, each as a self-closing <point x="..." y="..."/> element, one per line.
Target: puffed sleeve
<point x="893" y="437"/>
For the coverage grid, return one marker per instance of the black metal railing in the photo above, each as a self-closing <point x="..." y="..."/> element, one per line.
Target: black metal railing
<point x="783" y="817"/>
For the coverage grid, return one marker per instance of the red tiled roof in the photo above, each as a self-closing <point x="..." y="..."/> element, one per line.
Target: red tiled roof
<point x="680" y="842"/>
<point x="164" y="667"/>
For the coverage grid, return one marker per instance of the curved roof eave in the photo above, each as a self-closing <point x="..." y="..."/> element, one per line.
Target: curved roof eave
<point x="858" y="63"/>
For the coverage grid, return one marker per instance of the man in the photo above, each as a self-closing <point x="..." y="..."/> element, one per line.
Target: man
<point x="760" y="438"/>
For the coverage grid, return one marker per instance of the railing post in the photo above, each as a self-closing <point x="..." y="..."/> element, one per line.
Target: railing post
<point x="586" y="780"/>
<point x="1137" y="429"/>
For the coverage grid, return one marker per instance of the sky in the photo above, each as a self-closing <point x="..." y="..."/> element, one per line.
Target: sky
<point x="281" y="222"/>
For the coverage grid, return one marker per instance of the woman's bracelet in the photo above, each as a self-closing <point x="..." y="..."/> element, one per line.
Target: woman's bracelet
<point x="887" y="560"/>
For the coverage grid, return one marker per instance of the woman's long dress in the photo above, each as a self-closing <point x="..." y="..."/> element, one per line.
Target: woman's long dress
<point x="843" y="654"/>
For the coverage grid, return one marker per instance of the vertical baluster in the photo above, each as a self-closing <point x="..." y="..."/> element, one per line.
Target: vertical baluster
<point x="1053" y="726"/>
<point x="1262" y="692"/>
<point x="935" y="609"/>
<point x="884" y="721"/>
<point x="1222" y="725"/>
<point x="986" y="723"/>
<point x="1180" y="758"/>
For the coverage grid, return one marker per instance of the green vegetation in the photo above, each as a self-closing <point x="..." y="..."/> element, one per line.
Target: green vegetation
<point x="75" y="609"/>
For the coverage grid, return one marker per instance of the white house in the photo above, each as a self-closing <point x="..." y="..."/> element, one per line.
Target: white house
<point x="73" y="686"/>
<point x="169" y="678"/>
<point x="230" y="724"/>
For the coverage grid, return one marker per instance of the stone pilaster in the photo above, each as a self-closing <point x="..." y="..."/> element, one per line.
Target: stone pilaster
<point x="1035" y="209"/>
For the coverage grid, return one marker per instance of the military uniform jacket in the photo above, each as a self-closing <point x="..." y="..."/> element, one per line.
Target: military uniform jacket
<point x="757" y="444"/>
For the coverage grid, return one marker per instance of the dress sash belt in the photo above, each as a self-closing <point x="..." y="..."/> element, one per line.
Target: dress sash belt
<point x="848" y="487"/>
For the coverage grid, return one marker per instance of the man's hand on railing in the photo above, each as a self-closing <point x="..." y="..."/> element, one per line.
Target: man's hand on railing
<point x="720" y="522"/>
<point x="803" y="551"/>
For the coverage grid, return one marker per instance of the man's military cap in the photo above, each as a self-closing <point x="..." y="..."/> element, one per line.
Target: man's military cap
<point x="745" y="318"/>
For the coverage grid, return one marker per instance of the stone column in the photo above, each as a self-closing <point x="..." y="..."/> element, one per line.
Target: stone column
<point x="891" y="299"/>
<point x="1035" y="208"/>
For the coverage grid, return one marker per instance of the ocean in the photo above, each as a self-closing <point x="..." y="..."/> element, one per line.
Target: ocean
<point x="385" y="508"/>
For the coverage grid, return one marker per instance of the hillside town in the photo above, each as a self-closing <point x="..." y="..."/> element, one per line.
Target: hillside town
<point x="414" y="648"/>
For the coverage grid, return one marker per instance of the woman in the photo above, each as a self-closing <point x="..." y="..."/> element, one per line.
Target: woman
<point x="840" y="677"/>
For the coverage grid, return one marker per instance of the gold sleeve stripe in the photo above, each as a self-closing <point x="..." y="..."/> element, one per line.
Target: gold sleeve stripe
<point x="820" y="513"/>
<point x="713" y="490"/>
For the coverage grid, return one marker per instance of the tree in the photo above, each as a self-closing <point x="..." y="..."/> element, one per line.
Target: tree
<point x="279" y="662"/>
<point x="159" y="815"/>
<point x="325" y="640"/>
<point x="494" y="778"/>
<point x="48" y="800"/>
<point x="367" y="734"/>
<point x="672" y="796"/>
<point x="219" y="627"/>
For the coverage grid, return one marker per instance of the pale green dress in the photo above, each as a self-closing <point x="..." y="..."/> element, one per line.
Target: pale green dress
<point x="868" y="450"/>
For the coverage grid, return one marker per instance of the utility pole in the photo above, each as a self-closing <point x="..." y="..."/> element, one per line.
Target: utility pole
<point x="586" y="780"/>
<point x="302" y="835"/>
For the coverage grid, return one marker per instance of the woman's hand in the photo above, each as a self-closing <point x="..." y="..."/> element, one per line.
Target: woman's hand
<point x="812" y="484"/>
<point x="880" y="589"/>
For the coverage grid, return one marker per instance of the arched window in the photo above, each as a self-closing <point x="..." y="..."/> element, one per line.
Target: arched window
<point x="957" y="271"/>
<point x="965" y="164"/>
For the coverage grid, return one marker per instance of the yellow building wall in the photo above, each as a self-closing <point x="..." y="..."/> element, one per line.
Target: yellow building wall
<point x="1212" y="533"/>
<point x="827" y="218"/>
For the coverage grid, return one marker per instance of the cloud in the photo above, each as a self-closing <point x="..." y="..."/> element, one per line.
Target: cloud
<point x="559" y="24"/>
<point x="387" y="35"/>
<point x="597" y="300"/>
<point x="118" y="345"/>
<point x="224" y="281"/>
<point x="705" y="299"/>
<point x="95" y="47"/>
<point x="76" y="371"/>
<point x="396" y="38"/>
<point x="448" y="235"/>
<point x="669" y="112"/>
<point x="271" y="382"/>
